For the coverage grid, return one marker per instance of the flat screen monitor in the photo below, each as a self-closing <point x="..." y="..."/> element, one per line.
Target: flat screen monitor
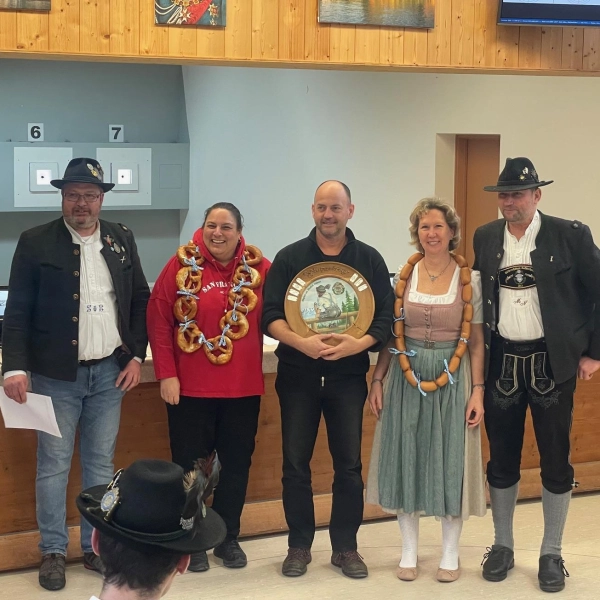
<point x="560" y="13"/>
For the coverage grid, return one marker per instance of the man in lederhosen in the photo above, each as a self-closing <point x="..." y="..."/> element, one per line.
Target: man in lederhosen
<point x="541" y="295"/>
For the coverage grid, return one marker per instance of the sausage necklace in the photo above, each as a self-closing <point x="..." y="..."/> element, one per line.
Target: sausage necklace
<point x="403" y="356"/>
<point x="241" y="297"/>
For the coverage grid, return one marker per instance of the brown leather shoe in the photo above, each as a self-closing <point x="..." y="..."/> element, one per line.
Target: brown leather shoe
<point x="52" y="572"/>
<point x="351" y="563"/>
<point x="448" y="575"/>
<point x="296" y="562"/>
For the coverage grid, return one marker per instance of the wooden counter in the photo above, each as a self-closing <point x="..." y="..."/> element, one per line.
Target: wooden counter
<point x="143" y="434"/>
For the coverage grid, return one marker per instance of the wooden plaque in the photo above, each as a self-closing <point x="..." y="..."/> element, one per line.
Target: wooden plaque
<point x="329" y="297"/>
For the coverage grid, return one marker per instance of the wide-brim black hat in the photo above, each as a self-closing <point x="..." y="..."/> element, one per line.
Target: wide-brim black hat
<point x="144" y="508"/>
<point x="83" y="170"/>
<point x="518" y="174"/>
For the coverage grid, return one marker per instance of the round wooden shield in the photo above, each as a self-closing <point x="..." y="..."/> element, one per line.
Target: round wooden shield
<point x="329" y="297"/>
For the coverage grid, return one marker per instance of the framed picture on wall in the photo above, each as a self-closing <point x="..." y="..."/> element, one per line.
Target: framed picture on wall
<point x="207" y="13"/>
<point x="25" y="4"/>
<point x="389" y="13"/>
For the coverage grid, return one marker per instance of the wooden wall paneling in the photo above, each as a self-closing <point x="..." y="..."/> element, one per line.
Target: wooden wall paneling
<point x="591" y="49"/>
<point x="238" y="32"/>
<point x="551" y="57"/>
<point x="316" y="35"/>
<point x="367" y="44"/>
<point x="439" y="38"/>
<point x="94" y="29"/>
<point x="125" y="27"/>
<point x="461" y="42"/>
<point x="530" y="47"/>
<point x="572" y="48"/>
<point x="415" y="46"/>
<point x="8" y="30"/>
<point x="507" y="46"/>
<point x="484" y="34"/>
<point x="154" y="39"/>
<point x="63" y="27"/>
<point x="32" y="31"/>
<point x="182" y="40"/>
<point x="342" y="39"/>
<point x="291" y="29"/>
<point x="265" y="29"/>
<point x="210" y="42"/>
<point x="391" y="46"/>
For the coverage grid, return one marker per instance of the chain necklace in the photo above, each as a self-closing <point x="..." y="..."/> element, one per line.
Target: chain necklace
<point x="400" y="346"/>
<point x="434" y="277"/>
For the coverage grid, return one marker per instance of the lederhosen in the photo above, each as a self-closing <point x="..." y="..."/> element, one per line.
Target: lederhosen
<point x="519" y="376"/>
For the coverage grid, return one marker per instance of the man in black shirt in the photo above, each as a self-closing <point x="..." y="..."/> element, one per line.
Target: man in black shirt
<point x="315" y="377"/>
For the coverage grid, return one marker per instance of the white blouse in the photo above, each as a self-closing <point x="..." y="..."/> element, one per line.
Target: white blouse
<point x="450" y="295"/>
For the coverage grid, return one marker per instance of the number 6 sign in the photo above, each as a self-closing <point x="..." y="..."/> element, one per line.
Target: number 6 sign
<point x="35" y="132"/>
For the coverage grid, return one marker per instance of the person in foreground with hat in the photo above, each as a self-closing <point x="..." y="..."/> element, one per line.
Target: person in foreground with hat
<point x="76" y="319"/>
<point x="541" y="298"/>
<point x="147" y="522"/>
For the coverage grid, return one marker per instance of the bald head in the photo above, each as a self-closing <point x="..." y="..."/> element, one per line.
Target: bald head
<point x="333" y="186"/>
<point x="332" y="209"/>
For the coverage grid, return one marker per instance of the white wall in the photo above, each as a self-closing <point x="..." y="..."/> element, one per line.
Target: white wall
<point x="265" y="138"/>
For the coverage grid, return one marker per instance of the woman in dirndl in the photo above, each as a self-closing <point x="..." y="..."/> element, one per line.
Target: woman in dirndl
<point x="427" y="392"/>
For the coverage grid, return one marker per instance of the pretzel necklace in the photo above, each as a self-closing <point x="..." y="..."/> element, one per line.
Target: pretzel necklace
<point x="403" y="356"/>
<point x="241" y="297"/>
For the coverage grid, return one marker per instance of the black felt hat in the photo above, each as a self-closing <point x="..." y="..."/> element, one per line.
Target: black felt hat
<point x="518" y="174"/>
<point x="151" y="506"/>
<point x="83" y="170"/>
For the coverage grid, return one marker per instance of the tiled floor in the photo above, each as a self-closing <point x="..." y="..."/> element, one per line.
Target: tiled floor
<point x="380" y="545"/>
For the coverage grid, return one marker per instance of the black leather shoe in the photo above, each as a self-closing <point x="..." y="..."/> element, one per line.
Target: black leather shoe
<point x="351" y="563"/>
<point x="52" y="572"/>
<point x="296" y="562"/>
<point x="231" y="553"/>
<point x="198" y="562"/>
<point x="497" y="562"/>
<point x="92" y="562"/>
<point x="552" y="573"/>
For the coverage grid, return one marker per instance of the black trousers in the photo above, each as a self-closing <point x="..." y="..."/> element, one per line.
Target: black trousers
<point x="303" y="397"/>
<point x="520" y="376"/>
<point x="197" y="426"/>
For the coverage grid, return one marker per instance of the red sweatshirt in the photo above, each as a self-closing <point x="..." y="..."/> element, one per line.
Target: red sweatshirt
<point x="199" y="378"/>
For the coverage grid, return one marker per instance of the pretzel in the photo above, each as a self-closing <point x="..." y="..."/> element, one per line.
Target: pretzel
<point x="252" y="255"/>
<point x="240" y="322"/>
<point x="240" y="275"/>
<point x="224" y="353"/>
<point x="186" y="337"/>
<point x="185" y="308"/>
<point x="186" y="279"/>
<point x="244" y="294"/>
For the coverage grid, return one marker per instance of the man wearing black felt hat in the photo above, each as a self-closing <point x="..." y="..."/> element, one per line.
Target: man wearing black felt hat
<point x="147" y="522"/>
<point x="76" y="320"/>
<point x="541" y="297"/>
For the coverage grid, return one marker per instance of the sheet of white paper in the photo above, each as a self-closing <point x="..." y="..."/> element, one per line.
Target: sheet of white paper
<point x="36" y="413"/>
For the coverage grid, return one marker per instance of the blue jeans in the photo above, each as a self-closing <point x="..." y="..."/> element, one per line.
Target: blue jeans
<point x="94" y="403"/>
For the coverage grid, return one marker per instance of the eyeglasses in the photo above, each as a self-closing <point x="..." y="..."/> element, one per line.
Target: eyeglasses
<point x="73" y="197"/>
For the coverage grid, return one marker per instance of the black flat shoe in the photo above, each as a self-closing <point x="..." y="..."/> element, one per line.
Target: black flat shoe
<point x="198" y="563"/>
<point x="552" y="573"/>
<point x="497" y="562"/>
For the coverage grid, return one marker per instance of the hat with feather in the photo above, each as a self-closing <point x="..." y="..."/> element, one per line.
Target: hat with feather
<point x="152" y="506"/>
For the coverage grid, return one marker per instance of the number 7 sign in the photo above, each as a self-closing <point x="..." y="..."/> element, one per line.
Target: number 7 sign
<point x="116" y="133"/>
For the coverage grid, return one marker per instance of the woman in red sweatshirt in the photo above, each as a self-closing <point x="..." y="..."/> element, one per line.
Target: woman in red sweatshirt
<point x="204" y="331"/>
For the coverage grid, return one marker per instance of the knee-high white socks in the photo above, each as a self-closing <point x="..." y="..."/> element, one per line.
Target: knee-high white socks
<point x="451" y="530"/>
<point x="409" y="528"/>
